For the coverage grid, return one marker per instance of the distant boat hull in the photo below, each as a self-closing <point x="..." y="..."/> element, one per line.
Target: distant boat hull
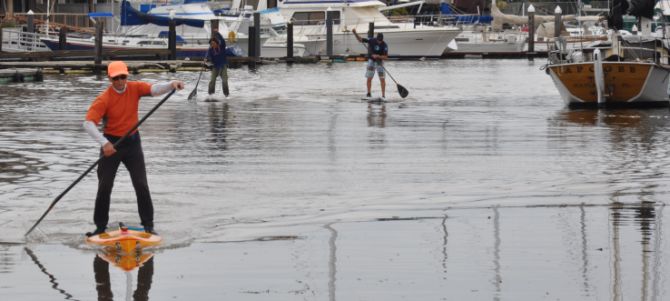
<point x="270" y="50"/>
<point x="483" y="42"/>
<point x="430" y="42"/>
<point x="625" y="83"/>
<point x="85" y="44"/>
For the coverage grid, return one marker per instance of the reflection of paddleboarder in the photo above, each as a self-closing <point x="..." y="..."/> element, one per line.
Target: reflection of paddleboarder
<point x="117" y="107"/>
<point x="103" y="284"/>
<point x="378" y="52"/>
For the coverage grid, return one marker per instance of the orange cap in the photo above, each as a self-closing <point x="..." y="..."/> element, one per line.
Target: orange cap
<point x="117" y="68"/>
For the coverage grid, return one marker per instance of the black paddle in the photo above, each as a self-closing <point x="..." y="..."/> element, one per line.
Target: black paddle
<point x="195" y="90"/>
<point x="53" y="203"/>
<point x="401" y="90"/>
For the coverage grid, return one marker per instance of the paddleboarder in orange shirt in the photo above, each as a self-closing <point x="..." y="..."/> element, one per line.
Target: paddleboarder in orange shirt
<point x="117" y="107"/>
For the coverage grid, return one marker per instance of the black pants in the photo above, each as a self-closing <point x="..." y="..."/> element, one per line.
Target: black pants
<point x="129" y="152"/>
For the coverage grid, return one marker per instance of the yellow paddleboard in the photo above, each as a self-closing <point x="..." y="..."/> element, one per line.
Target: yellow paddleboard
<point x="125" y="240"/>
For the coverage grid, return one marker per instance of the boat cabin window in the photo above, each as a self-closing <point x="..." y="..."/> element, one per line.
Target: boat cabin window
<point x="314" y="17"/>
<point x="387" y="27"/>
<point x="145" y="43"/>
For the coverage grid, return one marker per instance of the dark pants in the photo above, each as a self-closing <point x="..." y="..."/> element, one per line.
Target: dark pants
<point x="129" y="152"/>
<point x="223" y="73"/>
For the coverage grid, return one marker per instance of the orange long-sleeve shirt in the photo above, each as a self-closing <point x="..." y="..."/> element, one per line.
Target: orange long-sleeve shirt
<point x="119" y="110"/>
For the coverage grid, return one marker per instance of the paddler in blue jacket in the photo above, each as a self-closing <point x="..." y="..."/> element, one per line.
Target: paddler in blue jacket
<point x="217" y="56"/>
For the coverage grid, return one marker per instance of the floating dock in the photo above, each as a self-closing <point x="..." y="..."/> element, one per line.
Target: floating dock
<point x="19" y="75"/>
<point x="135" y="67"/>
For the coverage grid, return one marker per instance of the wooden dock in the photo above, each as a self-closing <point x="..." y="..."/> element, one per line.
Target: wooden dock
<point x="135" y="66"/>
<point x="19" y="75"/>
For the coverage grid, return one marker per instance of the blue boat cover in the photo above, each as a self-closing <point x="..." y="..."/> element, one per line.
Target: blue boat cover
<point x="131" y="16"/>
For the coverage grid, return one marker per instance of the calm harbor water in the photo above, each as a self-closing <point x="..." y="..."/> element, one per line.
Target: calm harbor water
<point x="480" y="185"/>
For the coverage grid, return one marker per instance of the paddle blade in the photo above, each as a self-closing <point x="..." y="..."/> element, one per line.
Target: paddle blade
<point x="193" y="93"/>
<point x="402" y="91"/>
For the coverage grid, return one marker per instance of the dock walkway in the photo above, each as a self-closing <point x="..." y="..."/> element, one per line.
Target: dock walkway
<point x="135" y="67"/>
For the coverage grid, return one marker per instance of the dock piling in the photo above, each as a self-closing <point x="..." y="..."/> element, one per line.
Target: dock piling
<point x="557" y="22"/>
<point x="172" y="40"/>
<point x="98" y="47"/>
<point x="214" y="25"/>
<point x="252" y="47"/>
<point x="62" y="38"/>
<point x="531" y="32"/>
<point x="257" y="33"/>
<point x="329" y="34"/>
<point x="289" y="42"/>
<point x="371" y="34"/>
<point x="30" y="21"/>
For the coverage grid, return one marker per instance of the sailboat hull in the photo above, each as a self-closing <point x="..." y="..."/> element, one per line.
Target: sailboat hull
<point x="625" y="83"/>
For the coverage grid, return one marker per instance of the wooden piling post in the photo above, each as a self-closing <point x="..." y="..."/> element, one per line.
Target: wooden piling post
<point x="329" y="33"/>
<point x="215" y="26"/>
<point x="257" y="25"/>
<point x="30" y="21"/>
<point x="39" y="75"/>
<point x="172" y="40"/>
<point x="252" y="47"/>
<point x="557" y="22"/>
<point x="10" y="10"/>
<point x="531" y="32"/>
<point x="371" y="34"/>
<point x="62" y="38"/>
<point x="289" y="42"/>
<point x="98" y="47"/>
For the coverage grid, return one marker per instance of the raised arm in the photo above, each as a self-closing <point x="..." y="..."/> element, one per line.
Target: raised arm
<point x="357" y="36"/>
<point x="162" y="88"/>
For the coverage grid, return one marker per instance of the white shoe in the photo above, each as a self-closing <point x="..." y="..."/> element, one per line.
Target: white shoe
<point x="382" y="98"/>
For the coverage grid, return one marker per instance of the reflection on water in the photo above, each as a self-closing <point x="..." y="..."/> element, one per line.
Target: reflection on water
<point x="52" y="279"/>
<point x="644" y="219"/>
<point x="219" y="119"/>
<point x="332" y="262"/>
<point x="631" y="271"/>
<point x="377" y="115"/>
<point x="580" y="252"/>
<point x="145" y="274"/>
<point x="16" y="167"/>
<point x="101" y="263"/>
<point x="487" y="192"/>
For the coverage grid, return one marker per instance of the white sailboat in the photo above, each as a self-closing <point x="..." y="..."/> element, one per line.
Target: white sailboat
<point x="626" y="70"/>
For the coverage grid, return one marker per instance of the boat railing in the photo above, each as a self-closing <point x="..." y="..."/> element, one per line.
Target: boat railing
<point x="317" y="27"/>
<point x="73" y="21"/>
<point x="578" y="49"/>
<point x="16" y="40"/>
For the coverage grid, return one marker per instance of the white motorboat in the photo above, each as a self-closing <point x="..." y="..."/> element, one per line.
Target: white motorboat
<point x="405" y="39"/>
<point x="480" y="40"/>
